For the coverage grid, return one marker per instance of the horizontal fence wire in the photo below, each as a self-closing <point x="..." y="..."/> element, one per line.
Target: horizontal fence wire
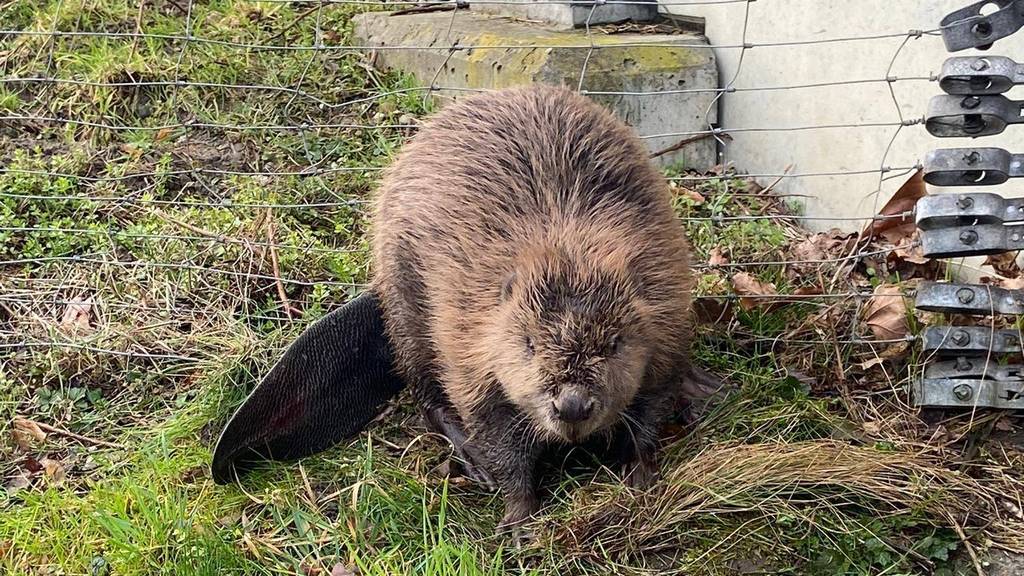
<point x="25" y="286"/>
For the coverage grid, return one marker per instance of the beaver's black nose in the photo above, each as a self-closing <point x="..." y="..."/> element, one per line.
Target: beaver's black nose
<point x="573" y="407"/>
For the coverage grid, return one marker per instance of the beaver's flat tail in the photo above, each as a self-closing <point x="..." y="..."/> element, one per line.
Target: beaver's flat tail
<point x="330" y="383"/>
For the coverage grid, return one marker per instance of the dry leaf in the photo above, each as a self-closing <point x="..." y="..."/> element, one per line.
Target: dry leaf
<point x="910" y="250"/>
<point x="939" y="435"/>
<point x="871" y="363"/>
<point x="746" y="285"/>
<point x="54" y="470"/>
<point x="22" y="440"/>
<point x="905" y="199"/>
<point x="807" y="291"/>
<point x="27" y="433"/>
<point x="886" y="313"/>
<point x="1004" y="264"/>
<point x="716" y="258"/>
<point x="31" y="464"/>
<point x="1004" y="424"/>
<point x="1009" y="283"/>
<point x="341" y="570"/>
<point x="78" y="314"/>
<point x="872" y="427"/>
<point x="18" y="483"/>
<point x="809" y="249"/>
<point x="712" y="310"/>
<point x="163" y="133"/>
<point x="693" y="195"/>
<point x="817" y="248"/>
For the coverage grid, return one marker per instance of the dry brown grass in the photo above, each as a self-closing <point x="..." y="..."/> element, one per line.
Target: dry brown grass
<point x="760" y="483"/>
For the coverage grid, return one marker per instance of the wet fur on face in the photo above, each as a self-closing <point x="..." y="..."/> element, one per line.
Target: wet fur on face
<point x="570" y="322"/>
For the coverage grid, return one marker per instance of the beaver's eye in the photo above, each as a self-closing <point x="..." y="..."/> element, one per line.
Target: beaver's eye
<point x="614" y="344"/>
<point x="529" y="347"/>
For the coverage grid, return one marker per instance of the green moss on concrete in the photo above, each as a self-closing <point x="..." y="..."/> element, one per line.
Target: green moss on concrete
<point x="491" y="63"/>
<point x="501" y="53"/>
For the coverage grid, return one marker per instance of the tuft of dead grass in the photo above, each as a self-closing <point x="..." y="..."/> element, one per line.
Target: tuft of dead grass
<point x="756" y="484"/>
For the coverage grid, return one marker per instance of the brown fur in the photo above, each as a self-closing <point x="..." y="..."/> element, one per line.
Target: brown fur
<point x="532" y="214"/>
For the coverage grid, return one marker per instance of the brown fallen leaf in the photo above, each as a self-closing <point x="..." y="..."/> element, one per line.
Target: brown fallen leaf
<point x="712" y="310"/>
<point x="896" y="229"/>
<point x="871" y="363"/>
<point x="746" y="285"/>
<point x="78" y="314"/>
<point x="341" y="570"/>
<point x="872" y="427"/>
<point x="54" y="470"/>
<point x="808" y="249"/>
<point x="1009" y="283"/>
<point x="18" y="483"/>
<point x="696" y="197"/>
<point x="31" y="464"/>
<point x="910" y="250"/>
<point x="717" y="258"/>
<point x="163" y="133"/>
<point x="1004" y="424"/>
<point x="808" y="253"/>
<point x="21" y="440"/>
<point x="1004" y="264"/>
<point x="886" y="312"/>
<point x="27" y="434"/>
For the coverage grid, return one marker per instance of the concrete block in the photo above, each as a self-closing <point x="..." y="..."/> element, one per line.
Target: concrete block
<point x="492" y="58"/>
<point x="570" y="14"/>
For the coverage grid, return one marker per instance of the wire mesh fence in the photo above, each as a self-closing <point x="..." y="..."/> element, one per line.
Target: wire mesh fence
<point x="177" y="172"/>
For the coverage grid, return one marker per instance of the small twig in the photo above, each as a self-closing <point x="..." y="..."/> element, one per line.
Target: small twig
<point x="193" y="228"/>
<point x="970" y="549"/>
<point x="682" y="143"/>
<point x="914" y="555"/>
<point x="204" y="232"/>
<point x="69" y="434"/>
<point x="768" y="189"/>
<point x="138" y="29"/>
<point x="288" y="310"/>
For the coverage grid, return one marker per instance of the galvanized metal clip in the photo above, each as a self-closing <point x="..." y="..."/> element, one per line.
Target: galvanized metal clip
<point x="967" y="381"/>
<point x="979" y="75"/>
<point x="977" y="299"/>
<point x="970" y="341"/>
<point x="980" y="368"/>
<point x="969" y="28"/>
<point x="969" y="209"/>
<point x="968" y="393"/>
<point x="952" y="116"/>
<point x="979" y="240"/>
<point x="971" y="166"/>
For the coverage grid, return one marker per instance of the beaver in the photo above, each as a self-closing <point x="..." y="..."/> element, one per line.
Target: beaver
<point x="535" y="285"/>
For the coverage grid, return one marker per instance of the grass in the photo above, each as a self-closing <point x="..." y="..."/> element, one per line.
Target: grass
<point x="139" y="303"/>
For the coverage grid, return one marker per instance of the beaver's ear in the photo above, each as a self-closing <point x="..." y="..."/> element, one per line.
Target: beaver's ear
<point x="334" y="379"/>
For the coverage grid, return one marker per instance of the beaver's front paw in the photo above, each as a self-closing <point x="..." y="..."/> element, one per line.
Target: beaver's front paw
<point x="513" y="524"/>
<point x="640" y="474"/>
